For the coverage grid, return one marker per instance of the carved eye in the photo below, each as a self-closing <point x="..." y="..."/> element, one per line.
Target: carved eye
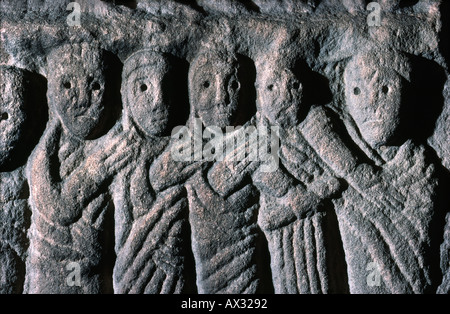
<point x="296" y="85"/>
<point x="4" y="116"/>
<point x="270" y="87"/>
<point x="206" y="84"/>
<point x="356" y="91"/>
<point x="95" y="86"/>
<point x="143" y="87"/>
<point x="385" y="89"/>
<point x="67" y="85"/>
<point x="234" y="85"/>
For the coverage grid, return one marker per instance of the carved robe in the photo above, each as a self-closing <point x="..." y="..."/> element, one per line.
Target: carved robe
<point x="70" y="212"/>
<point x="151" y="237"/>
<point x="222" y="218"/>
<point x="387" y="246"/>
<point x="223" y="206"/>
<point x="301" y="230"/>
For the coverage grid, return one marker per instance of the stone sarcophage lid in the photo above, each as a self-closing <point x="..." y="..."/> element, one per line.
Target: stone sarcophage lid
<point x="224" y="147"/>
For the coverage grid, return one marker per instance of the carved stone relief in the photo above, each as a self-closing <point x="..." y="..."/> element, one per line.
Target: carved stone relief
<point x="224" y="147"/>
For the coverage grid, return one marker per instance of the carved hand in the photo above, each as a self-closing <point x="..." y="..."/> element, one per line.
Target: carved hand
<point x="376" y="187"/>
<point x="302" y="202"/>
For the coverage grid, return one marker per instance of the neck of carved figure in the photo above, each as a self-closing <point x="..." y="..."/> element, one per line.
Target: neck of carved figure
<point x="150" y="148"/>
<point x="284" y="132"/>
<point x="356" y="136"/>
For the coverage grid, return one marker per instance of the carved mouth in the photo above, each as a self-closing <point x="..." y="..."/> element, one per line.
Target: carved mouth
<point x="87" y="117"/>
<point x="158" y="116"/>
<point x="87" y="109"/>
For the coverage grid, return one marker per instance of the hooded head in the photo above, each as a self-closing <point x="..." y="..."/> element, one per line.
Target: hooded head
<point x="279" y="92"/>
<point x="214" y="87"/>
<point x="147" y="91"/>
<point x="373" y="94"/>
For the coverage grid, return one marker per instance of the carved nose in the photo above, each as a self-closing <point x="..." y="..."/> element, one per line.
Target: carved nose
<point x="222" y="97"/>
<point x="84" y="95"/>
<point x="379" y="98"/>
<point x="84" y="101"/>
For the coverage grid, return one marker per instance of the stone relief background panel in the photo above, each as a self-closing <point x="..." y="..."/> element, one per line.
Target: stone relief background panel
<point x="224" y="146"/>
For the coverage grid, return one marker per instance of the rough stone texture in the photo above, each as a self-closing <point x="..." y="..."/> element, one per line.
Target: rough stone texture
<point x="358" y="202"/>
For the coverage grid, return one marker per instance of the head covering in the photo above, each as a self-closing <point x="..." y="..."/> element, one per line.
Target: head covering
<point x="137" y="60"/>
<point x="377" y="59"/>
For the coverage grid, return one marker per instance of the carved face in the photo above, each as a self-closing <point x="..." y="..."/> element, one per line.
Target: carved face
<point x="76" y="86"/>
<point x="12" y="110"/>
<point x="373" y="97"/>
<point x="214" y="89"/>
<point x="149" y="97"/>
<point x="280" y="96"/>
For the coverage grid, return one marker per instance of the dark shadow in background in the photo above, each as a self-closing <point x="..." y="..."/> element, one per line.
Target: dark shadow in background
<point x="423" y="99"/>
<point x="189" y="271"/>
<point x="113" y="101"/>
<point x="250" y="5"/>
<point x="316" y="88"/>
<point x="247" y="93"/>
<point x="437" y="226"/>
<point x="335" y="254"/>
<point x="407" y="3"/>
<point x="112" y="97"/>
<point x="444" y="43"/>
<point x="36" y="119"/>
<point x="175" y="87"/>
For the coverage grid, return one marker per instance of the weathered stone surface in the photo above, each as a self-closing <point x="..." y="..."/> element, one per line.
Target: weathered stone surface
<point x="140" y="180"/>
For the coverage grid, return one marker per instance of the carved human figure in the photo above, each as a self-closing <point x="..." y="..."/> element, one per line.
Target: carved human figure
<point x="15" y="126"/>
<point x="223" y="201"/>
<point x="151" y="226"/>
<point x="69" y="174"/>
<point x="385" y="214"/>
<point x="294" y="213"/>
<point x="222" y="212"/>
